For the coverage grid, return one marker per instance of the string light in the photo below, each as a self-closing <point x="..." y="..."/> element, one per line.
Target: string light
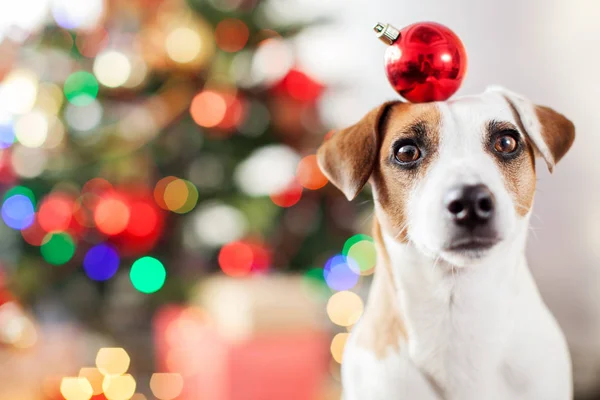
<point x="112" y="68"/>
<point x="112" y="361"/>
<point x="208" y="108"/>
<point x="236" y="258"/>
<point x="338" y="273"/>
<point x="101" y="262"/>
<point x="94" y="377"/>
<point x="18" y="211"/>
<point x="183" y="45"/>
<point x="55" y="212"/>
<point x="180" y="196"/>
<point x="344" y="308"/>
<point x="81" y="88"/>
<point x="337" y="346"/>
<point x="119" y="387"/>
<point x="166" y="386"/>
<point x="76" y="388"/>
<point x="57" y="248"/>
<point x="147" y="274"/>
<point x="111" y="215"/>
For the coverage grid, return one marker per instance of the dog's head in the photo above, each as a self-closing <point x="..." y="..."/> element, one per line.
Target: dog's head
<point x="455" y="178"/>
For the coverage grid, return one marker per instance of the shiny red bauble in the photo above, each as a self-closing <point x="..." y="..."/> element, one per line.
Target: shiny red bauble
<point x="427" y="62"/>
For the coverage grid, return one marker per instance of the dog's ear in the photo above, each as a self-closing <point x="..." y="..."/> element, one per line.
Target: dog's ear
<point x="552" y="133"/>
<point x="348" y="158"/>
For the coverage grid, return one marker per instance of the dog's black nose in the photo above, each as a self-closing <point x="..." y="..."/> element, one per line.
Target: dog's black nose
<point x="470" y="206"/>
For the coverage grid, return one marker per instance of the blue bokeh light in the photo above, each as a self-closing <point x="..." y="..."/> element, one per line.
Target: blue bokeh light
<point x="7" y="134"/>
<point x="101" y="262"/>
<point x="338" y="274"/>
<point x="18" y="212"/>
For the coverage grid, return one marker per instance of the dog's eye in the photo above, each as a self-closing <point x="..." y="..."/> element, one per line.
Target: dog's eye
<point x="506" y="144"/>
<point x="407" y="153"/>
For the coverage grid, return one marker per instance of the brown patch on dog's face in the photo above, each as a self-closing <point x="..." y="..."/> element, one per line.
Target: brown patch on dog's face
<point x="405" y="124"/>
<point x="517" y="167"/>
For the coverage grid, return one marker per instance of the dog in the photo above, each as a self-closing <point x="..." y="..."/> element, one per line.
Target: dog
<point x="453" y="312"/>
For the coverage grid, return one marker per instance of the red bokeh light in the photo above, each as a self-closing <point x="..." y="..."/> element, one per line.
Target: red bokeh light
<point x="299" y="86"/>
<point x="309" y="174"/>
<point x="112" y="214"/>
<point x="231" y="35"/>
<point x="143" y="219"/>
<point x="34" y="234"/>
<point x="236" y="259"/>
<point x="55" y="212"/>
<point x="288" y="197"/>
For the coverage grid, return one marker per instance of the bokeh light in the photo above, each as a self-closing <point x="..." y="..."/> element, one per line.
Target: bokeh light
<point x="112" y="68"/>
<point x="236" y="258"/>
<point x="362" y="257"/>
<point x="143" y="219"/>
<point x="217" y="224"/>
<point x="309" y="175"/>
<point x="112" y="361"/>
<point x="76" y="388"/>
<point x="288" y="197"/>
<point x="34" y="234"/>
<point x="111" y="215"/>
<point x="208" y="108"/>
<point x="159" y="191"/>
<point x="28" y="162"/>
<point x="101" y="262"/>
<point x="119" y="387"/>
<point x="56" y="212"/>
<point x="314" y="284"/>
<point x="18" y="92"/>
<point x="81" y="88"/>
<point x="166" y="386"/>
<point x="338" y="273"/>
<point x="72" y="14"/>
<point x="57" y="248"/>
<point x="84" y="118"/>
<point x="183" y="45"/>
<point x="90" y="43"/>
<point x="147" y="274"/>
<point x="25" y="191"/>
<point x="180" y="196"/>
<point x="344" y="308"/>
<point x="94" y="377"/>
<point x="337" y="346"/>
<point x="31" y="129"/>
<point x="231" y="35"/>
<point x="7" y="132"/>
<point x="18" y="211"/>
<point x="353" y="240"/>
<point x="272" y="60"/>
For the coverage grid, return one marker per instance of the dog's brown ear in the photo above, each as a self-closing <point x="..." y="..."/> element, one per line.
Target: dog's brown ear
<point x="347" y="159"/>
<point x="551" y="133"/>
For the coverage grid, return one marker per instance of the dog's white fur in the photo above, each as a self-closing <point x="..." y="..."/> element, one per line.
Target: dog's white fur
<point x="477" y="327"/>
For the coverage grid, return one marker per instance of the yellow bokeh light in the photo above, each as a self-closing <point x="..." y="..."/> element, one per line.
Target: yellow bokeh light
<point x="31" y="129"/>
<point x="139" y="71"/>
<point x="183" y="45"/>
<point x="112" y="361"/>
<point x="166" y="386"/>
<point x="112" y="68"/>
<point x="180" y="196"/>
<point x="118" y="387"/>
<point x="49" y="99"/>
<point x="94" y="377"/>
<point x="18" y="92"/>
<point x="344" y="308"/>
<point x="337" y="346"/>
<point x="75" y="388"/>
<point x="56" y="133"/>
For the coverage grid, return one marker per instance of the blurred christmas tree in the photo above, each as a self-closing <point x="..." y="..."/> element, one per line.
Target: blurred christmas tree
<point x="147" y="143"/>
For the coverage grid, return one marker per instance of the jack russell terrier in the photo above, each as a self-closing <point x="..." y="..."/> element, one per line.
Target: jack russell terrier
<point x="453" y="312"/>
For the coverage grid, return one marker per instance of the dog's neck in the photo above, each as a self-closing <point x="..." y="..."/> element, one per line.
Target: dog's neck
<point x="457" y="318"/>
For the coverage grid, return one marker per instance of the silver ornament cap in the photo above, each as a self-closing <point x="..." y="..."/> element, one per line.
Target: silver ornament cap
<point x="386" y="33"/>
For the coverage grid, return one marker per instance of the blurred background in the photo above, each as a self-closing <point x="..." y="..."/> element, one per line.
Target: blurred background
<point x="166" y="233"/>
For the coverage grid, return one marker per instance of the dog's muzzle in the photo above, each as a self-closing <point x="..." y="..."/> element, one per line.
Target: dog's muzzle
<point x="471" y="210"/>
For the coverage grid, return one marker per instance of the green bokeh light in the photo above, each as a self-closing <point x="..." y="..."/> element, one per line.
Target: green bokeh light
<point x="57" y="248"/>
<point x="147" y="274"/>
<point x="314" y="284"/>
<point x="22" y="190"/>
<point x="81" y="88"/>
<point x="363" y="256"/>
<point x="353" y="240"/>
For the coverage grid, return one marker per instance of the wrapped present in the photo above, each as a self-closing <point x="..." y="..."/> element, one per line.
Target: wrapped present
<point x="258" y="338"/>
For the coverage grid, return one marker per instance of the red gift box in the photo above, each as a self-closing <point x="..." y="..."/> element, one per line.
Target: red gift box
<point x="266" y="362"/>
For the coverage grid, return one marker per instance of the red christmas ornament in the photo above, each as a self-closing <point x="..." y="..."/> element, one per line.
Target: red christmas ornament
<point x="424" y="62"/>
